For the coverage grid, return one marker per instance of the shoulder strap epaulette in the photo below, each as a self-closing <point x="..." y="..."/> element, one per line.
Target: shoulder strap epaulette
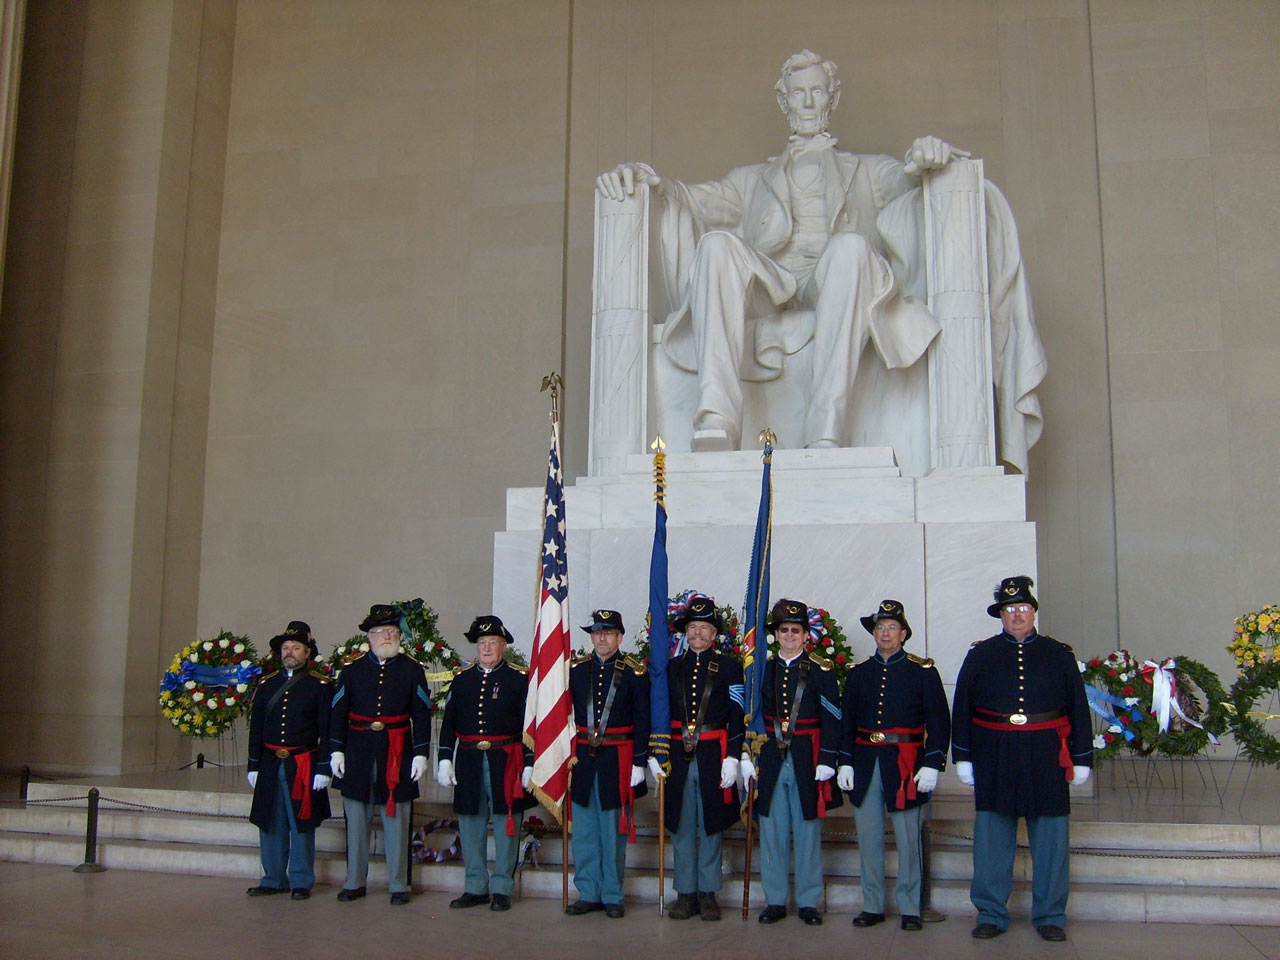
<point x="926" y="662"/>
<point x="581" y="658"/>
<point x="320" y="676"/>
<point x="636" y="664"/>
<point x="823" y="662"/>
<point x="1059" y="642"/>
<point x="258" y="686"/>
<point x="463" y="666"/>
<point x="516" y="667"/>
<point x="352" y="658"/>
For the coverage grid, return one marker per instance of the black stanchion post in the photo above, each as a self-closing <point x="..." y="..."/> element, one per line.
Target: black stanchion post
<point x="23" y="783"/>
<point x="91" y="864"/>
<point x="199" y="761"/>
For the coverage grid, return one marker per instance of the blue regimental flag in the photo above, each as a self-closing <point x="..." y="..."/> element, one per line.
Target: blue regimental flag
<point x="659" y="642"/>
<point x="756" y="604"/>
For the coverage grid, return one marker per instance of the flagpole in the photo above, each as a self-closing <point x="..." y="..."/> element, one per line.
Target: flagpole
<point x="659" y="654"/>
<point x="756" y="604"/>
<point x="565" y="826"/>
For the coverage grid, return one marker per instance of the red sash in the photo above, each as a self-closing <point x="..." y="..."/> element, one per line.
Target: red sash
<point x="626" y="756"/>
<point x="396" y="736"/>
<point x="301" y="789"/>
<point x="722" y="736"/>
<point x="1061" y="724"/>
<point x="907" y="756"/>
<point x="511" y="786"/>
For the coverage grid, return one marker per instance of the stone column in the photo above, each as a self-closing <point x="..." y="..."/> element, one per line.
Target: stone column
<point x="961" y="400"/>
<point x="619" y="331"/>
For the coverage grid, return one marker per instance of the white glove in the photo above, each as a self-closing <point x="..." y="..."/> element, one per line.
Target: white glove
<point x="418" y="768"/>
<point x="320" y="782"/>
<point x="964" y="770"/>
<point x="1080" y="776"/>
<point x="253" y="779"/>
<point x="637" y="776"/>
<point x="926" y="779"/>
<point x="656" y="769"/>
<point x="526" y="778"/>
<point x="444" y="774"/>
<point x="338" y="764"/>
<point x="823" y="773"/>
<point x="844" y="778"/>
<point x="728" y="773"/>
<point x="746" y="768"/>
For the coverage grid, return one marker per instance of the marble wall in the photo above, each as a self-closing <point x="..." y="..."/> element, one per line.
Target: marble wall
<point x="300" y="382"/>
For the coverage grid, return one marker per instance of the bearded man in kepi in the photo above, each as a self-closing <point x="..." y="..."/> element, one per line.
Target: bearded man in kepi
<point x="380" y="737"/>
<point x="893" y="745"/>
<point x="482" y="727"/>
<point x="288" y="764"/>
<point x="706" y="694"/>
<point x="1022" y="737"/>
<point x="611" y="710"/>
<point x="802" y="729"/>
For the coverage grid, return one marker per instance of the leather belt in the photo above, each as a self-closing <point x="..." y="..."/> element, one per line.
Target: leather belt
<point x="358" y="722"/>
<point x="474" y="742"/>
<point x="1019" y="719"/>
<point x="876" y="737"/>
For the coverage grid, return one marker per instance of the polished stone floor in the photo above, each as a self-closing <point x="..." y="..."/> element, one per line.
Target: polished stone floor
<point x="51" y="913"/>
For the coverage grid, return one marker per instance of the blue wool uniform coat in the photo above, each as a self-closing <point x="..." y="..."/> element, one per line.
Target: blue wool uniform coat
<point x="589" y="680"/>
<point x="391" y="688"/>
<point x="1017" y="772"/>
<point x="819" y="706"/>
<point x="691" y="678"/>
<point x="903" y="692"/>
<point x="484" y="704"/>
<point x="298" y="718"/>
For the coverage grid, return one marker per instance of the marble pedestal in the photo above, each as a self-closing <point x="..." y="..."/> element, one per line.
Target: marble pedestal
<point x="848" y="531"/>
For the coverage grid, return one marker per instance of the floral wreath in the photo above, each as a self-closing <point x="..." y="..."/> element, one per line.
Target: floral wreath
<point x="1257" y="638"/>
<point x="826" y="639"/>
<point x="209" y="684"/>
<point x="1252" y="684"/>
<point x="425" y="854"/>
<point x="727" y="642"/>
<point x="419" y="637"/>
<point x="1120" y="692"/>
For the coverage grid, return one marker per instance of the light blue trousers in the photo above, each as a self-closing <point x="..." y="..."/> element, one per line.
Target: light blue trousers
<point x="599" y="851"/>
<point x="696" y="853"/>
<point x="473" y="833"/>
<point x="995" y="838"/>
<point x="906" y="835"/>
<point x="784" y="826"/>
<point x="288" y="855"/>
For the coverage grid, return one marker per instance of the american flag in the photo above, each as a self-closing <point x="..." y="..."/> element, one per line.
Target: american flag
<point x="548" y="712"/>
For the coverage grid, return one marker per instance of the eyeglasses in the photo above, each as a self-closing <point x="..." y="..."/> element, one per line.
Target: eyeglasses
<point x="1018" y="608"/>
<point x="383" y="631"/>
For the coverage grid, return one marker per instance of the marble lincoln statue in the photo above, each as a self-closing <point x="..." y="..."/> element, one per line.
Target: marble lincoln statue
<point x="819" y="245"/>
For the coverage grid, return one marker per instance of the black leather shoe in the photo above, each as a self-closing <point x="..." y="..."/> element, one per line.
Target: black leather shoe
<point x="500" y="902"/>
<point x="346" y="896"/>
<point x="865" y="919"/>
<point x="299" y="893"/>
<point x="986" y="931"/>
<point x="910" y="922"/>
<point x="580" y="907"/>
<point x="810" y="916"/>
<point x="468" y="900"/>
<point x="708" y="907"/>
<point x="686" y="906"/>
<point x="261" y="891"/>
<point x="772" y="914"/>
<point x="614" y="911"/>
<point x="400" y="898"/>
<point x="1050" y="932"/>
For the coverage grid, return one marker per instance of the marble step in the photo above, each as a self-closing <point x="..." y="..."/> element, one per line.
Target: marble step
<point x="1089" y="901"/>
<point x="1194" y="863"/>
